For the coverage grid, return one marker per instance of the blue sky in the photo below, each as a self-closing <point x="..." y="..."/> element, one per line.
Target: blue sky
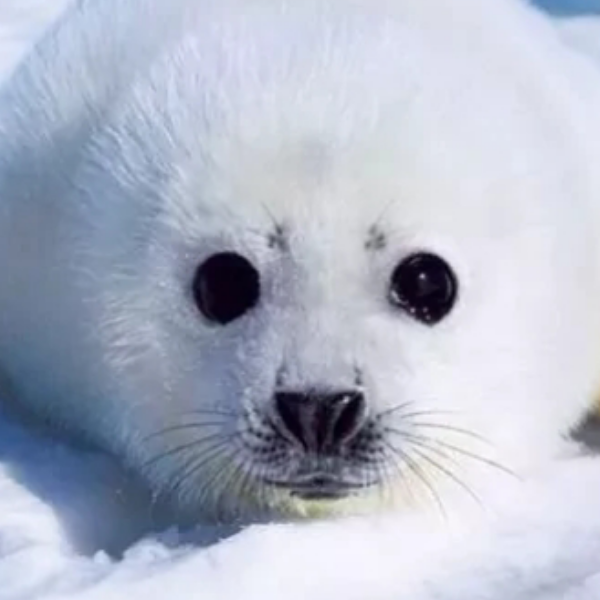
<point x="571" y="6"/>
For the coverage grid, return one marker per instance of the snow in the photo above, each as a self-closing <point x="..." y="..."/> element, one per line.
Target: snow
<point x="538" y="541"/>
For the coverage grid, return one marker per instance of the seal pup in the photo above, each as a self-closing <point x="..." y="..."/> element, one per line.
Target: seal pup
<point x="289" y="259"/>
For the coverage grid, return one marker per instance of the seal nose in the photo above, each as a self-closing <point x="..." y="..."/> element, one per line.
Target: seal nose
<point x="321" y="421"/>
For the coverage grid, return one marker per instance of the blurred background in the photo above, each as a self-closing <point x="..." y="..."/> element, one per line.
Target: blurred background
<point x="571" y="6"/>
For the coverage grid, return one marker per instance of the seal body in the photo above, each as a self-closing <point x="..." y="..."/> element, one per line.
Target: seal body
<point x="300" y="258"/>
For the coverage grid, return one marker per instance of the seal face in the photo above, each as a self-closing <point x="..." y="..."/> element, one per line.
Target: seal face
<point x="288" y="261"/>
<point x="321" y="443"/>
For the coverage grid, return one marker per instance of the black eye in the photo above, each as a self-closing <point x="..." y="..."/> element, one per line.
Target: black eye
<point x="225" y="287"/>
<point x="424" y="286"/>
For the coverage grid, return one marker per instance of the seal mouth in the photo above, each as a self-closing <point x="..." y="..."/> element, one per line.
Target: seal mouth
<point x="320" y="487"/>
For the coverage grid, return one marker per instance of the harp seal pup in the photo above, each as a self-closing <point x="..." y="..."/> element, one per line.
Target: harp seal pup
<point x="288" y="259"/>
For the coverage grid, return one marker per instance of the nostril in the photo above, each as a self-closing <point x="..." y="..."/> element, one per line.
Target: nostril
<point x="350" y="416"/>
<point x="320" y="420"/>
<point x="291" y="409"/>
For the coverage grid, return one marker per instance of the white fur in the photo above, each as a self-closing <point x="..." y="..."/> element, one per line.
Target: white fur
<point x="22" y="22"/>
<point x="125" y="160"/>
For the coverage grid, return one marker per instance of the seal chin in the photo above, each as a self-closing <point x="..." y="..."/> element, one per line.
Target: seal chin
<point x="325" y="502"/>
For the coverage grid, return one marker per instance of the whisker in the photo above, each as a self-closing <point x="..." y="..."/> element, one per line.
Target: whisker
<point x="245" y="481"/>
<point x="381" y="216"/>
<point x="381" y="475"/>
<point x="427" y="444"/>
<point x="477" y="457"/>
<point x="224" y="476"/>
<point x="191" y="467"/>
<point x="182" y="448"/>
<point x="430" y="413"/>
<point x="182" y="427"/>
<point x="427" y="441"/>
<point x="385" y="469"/>
<point x="257" y="475"/>
<point x="420" y="474"/>
<point x="446" y="427"/>
<point x="389" y="411"/>
<point x="254" y="477"/>
<point x="200" y="490"/>
<point x="238" y="474"/>
<point x="276" y="224"/>
<point x="210" y="412"/>
<point x="450" y="475"/>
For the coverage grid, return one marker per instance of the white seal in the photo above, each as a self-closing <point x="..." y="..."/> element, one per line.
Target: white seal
<point x="296" y="258"/>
